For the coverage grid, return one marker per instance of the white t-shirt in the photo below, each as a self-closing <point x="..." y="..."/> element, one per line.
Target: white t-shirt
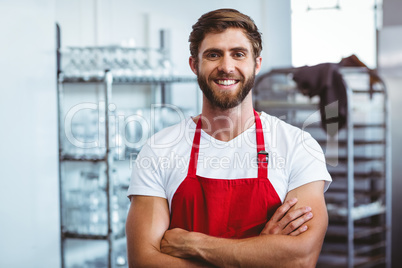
<point x="295" y="158"/>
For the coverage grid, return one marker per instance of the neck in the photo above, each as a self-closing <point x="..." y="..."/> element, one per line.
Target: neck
<point x="225" y="125"/>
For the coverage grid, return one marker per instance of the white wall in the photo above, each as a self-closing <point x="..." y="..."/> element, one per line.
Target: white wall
<point x="29" y="206"/>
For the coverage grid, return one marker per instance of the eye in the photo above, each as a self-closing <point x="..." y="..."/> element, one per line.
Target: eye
<point x="239" y="55"/>
<point x="212" y="55"/>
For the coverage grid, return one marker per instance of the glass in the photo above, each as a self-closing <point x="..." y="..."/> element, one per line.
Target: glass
<point x="84" y="135"/>
<point x="124" y="62"/>
<point x="85" y="202"/>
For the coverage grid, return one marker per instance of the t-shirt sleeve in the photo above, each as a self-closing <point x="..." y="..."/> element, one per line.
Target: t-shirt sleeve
<point x="146" y="177"/>
<point x="308" y="163"/>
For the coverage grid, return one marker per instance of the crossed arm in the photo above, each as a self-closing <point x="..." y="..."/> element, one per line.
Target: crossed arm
<point x="284" y="242"/>
<point x="147" y="221"/>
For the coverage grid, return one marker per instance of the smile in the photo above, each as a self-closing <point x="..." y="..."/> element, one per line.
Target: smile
<point x="226" y="82"/>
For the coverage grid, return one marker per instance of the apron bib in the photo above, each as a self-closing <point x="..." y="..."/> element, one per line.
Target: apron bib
<point x="235" y="208"/>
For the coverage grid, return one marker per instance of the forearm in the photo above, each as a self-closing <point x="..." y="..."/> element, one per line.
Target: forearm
<point x="147" y="221"/>
<point x="261" y="251"/>
<point x="157" y="259"/>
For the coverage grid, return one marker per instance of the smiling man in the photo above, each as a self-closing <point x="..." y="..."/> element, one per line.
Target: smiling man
<point x="229" y="206"/>
<point x="233" y="80"/>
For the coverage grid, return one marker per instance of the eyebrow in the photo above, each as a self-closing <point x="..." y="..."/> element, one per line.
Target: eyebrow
<point x="217" y="50"/>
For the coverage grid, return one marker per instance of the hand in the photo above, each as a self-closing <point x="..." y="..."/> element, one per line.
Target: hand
<point x="288" y="223"/>
<point x="176" y="242"/>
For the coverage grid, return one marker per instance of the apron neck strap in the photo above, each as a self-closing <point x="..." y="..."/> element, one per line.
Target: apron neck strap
<point x="261" y="153"/>
<point x="192" y="168"/>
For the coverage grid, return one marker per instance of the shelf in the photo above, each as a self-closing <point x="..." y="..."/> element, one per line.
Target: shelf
<point x="369" y="126"/>
<point x="91" y="237"/>
<point x="358" y="175"/>
<point x="84" y="236"/>
<point x="87" y="158"/>
<point x="358" y="212"/>
<point x="130" y="80"/>
<point x="339" y="199"/>
<point x="338" y="260"/>
<point x="368" y="193"/>
<point x="84" y="158"/>
<point x="367" y="91"/>
<point x="355" y="159"/>
<point x="287" y="105"/>
<point x="318" y="125"/>
<point x="344" y="143"/>
<point x="340" y="249"/>
<point x="334" y="231"/>
<point x="364" y="249"/>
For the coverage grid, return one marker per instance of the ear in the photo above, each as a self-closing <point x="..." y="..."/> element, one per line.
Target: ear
<point x="193" y="65"/>
<point x="258" y="62"/>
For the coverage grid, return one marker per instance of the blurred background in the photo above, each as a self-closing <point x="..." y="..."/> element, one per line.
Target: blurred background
<point x="76" y="71"/>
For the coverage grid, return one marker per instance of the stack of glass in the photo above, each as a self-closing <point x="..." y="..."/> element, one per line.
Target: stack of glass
<point x="125" y="63"/>
<point x="85" y="202"/>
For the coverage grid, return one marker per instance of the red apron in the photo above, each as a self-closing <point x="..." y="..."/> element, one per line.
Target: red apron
<point x="235" y="208"/>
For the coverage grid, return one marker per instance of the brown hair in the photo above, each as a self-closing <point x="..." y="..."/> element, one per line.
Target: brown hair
<point x="218" y="21"/>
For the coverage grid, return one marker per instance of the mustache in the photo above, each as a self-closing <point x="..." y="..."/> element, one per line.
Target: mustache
<point x="227" y="76"/>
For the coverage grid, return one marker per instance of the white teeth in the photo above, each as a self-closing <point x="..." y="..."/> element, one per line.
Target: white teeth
<point x="226" y="82"/>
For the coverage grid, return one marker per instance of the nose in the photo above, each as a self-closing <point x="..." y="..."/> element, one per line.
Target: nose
<point x="226" y="65"/>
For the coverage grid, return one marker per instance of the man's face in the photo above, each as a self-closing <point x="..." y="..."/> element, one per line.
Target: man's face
<point x="226" y="67"/>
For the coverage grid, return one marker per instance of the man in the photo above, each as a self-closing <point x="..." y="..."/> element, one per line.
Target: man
<point x="228" y="205"/>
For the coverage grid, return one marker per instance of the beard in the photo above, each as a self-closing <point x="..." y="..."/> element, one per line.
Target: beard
<point x="225" y="100"/>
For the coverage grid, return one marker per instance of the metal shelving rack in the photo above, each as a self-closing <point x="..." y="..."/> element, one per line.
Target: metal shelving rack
<point x="106" y="82"/>
<point x="358" y="159"/>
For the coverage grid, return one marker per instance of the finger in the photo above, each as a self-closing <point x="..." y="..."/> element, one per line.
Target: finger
<point x="271" y="228"/>
<point x="283" y="209"/>
<point x="292" y="215"/>
<point x="295" y="224"/>
<point x="164" y="247"/>
<point x="299" y="230"/>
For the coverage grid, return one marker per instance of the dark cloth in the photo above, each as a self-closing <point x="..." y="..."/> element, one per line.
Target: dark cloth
<point x="326" y="81"/>
<point x="354" y="61"/>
